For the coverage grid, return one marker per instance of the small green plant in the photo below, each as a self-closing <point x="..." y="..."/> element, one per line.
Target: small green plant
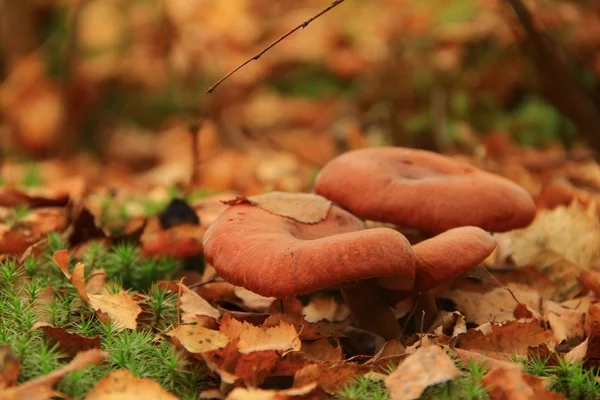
<point x="23" y="303"/>
<point x="574" y="381"/>
<point x="364" y="388"/>
<point x="17" y="214"/>
<point x="32" y="177"/>
<point x="135" y="271"/>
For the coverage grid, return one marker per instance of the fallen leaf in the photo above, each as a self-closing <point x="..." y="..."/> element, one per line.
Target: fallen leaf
<point x="283" y="337"/>
<point x="69" y="342"/>
<point x="10" y="367"/>
<point x="253" y="301"/>
<point x="467" y="356"/>
<point x="192" y="305"/>
<point x="329" y="377"/>
<point x="481" y="303"/>
<point x="563" y="243"/>
<point x="451" y="324"/>
<point x="308" y="208"/>
<point x="425" y="367"/>
<point x="122" y="384"/>
<point x="197" y="339"/>
<point x="303" y="392"/>
<point x="119" y="307"/>
<point x="590" y="281"/>
<point x="504" y="341"/>
<point x="321" y="350"/>
<point x="41" y="388"/>
<point x="512" y="383"/>
<point x="321" y="308"/>
<point x="566" y="323"/>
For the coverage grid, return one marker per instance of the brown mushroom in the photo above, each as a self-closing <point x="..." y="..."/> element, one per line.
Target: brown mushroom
<point x="423" y="190"/>
<point x="438" y="261"/>
<point x="445" y="256"/>
<point x="277" y="256"/>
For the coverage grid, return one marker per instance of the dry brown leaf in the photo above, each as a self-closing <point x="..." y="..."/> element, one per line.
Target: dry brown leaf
<point x="122" y="384"/>
<point x="69" y="342"/>
<point x="119" y="307"/>
<point x="197" y="339"/>
<point x="490" y="303"/>
<point x="321" y="350"/>
<point x="41" y="388"/>
<point x="321" y="308"/>
<point x="283" y="337"/>
<point x="10" y="367"/>
<point x="592" y="317"/>
<point x="308" y="208"/>
<point x="512" y="383"/>
<point x="253" y="301"/>
<point x="192" y="305"/>
<point x="590" y="281"/>
<point x="563" y="243"/>
<point x="449" y="323"/>
<point x="425" y="367"/>
<point x="467" y="356"/>
<point x="302" y="392"/>
<point x="329" y="377"/>
<point x="503" y="341"/>
<point x="566" y="323"/>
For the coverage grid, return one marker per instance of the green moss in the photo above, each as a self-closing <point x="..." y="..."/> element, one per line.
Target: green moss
<point x="22" y="305"/>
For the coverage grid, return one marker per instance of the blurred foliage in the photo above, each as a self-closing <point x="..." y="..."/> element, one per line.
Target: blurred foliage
<point x="146" y="63"/>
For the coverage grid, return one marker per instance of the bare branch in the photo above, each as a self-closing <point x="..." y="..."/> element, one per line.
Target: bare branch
<point x="303" y="25"/>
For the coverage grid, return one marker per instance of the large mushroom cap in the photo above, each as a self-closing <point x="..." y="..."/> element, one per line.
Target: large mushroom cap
<point x="446" y="256"/>
<point x="423" y="190"/>
<point x="278" y="256"/>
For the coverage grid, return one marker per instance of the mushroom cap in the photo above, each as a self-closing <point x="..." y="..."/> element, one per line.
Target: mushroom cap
<point x="423" y="190"/>
<point x="446" y="256"/>
<point x="277" y="256"/>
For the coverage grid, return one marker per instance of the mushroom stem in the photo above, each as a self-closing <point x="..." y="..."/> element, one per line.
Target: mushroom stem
<point x="369" y="310"/>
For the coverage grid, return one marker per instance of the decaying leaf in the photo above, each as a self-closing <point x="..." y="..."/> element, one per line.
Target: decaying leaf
<point x="325" y="308"/>
<point x="122" y="384"/>
<point x="119" y="307"/>
<point x="503" y="341"/>
<point x="197" y="339"/>
<point x="563" y="243"/>
<point x="491" y="303"/>
<point x="192" y="305"/>
<point x="252" y="338"/>
<point x="41" y="388"/>
<point x="425" y="367"/>
<point x="259" y="394"/>
<point x="303" y="207"/>
<point x="512" y="383"/>
<point x="69" y="342"/>
<point x="10" y="367"/>
<point x="566" y="323"/>
<point x="321" y="350"/>
<point x="329" y="377"/>
<point x="253" y="301"/>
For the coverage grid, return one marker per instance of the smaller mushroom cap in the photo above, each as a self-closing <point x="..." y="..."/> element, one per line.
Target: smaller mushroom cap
<point x="277" y="256"/>
<point x="423" y="190"/>
<point x="446" y="256"/>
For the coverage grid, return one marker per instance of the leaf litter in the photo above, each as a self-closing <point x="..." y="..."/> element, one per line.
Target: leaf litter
<point x="248" y="344"/>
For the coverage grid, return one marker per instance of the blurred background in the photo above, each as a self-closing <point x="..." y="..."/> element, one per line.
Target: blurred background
<point x="122" y="80"/>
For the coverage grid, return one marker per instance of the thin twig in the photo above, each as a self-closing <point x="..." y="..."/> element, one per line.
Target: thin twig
<point x="194" y="130"/>
<point x="179" y="290"/>
<point x="303" y="25"/>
